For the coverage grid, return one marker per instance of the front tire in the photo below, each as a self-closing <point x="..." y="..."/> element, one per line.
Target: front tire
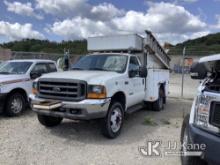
<point x="188" y="160"/>
<point x="112" y="124"/>
<point x="15" y="104"/>
<point x="49" y="121"/>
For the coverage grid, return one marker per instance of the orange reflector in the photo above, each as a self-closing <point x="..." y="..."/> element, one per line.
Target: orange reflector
<point x="96" y="96"/>
<point x="34" y="91"/>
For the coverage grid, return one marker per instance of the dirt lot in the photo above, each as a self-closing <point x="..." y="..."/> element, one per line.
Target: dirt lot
<point x="190" y="86"/>
<point x="23" y="141"/>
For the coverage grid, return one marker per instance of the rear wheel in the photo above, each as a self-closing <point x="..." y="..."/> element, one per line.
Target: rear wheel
<point x="188" y="160"/>
<point x="15" y="104"/>
<point x="49" y="121"/>
<point x="159" y="104"/>
<point x="112" y="124"/>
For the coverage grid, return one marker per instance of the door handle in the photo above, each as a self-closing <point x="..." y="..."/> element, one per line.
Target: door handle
<point x="126" y="82"/>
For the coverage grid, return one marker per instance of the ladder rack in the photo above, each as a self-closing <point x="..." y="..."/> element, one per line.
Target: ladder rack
<point x="153" y="47"/>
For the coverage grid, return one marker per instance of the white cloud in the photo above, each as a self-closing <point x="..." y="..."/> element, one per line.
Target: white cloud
<point x="172" y="23"/>
<point x="176" y="38"/>
<point x="74" y="8"/>
<point x="106" y="11"/>
<point x="18" y="31"/>
<point x="190" y="1"/>
<point x="22" y="9"/>
<point x="62" y="8"/>
<point x="161" y="18"/>
<point x="217" y="25"/>
<point x="79" y="28"/>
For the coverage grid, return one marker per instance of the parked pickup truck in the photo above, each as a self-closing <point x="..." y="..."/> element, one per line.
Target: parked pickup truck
<point x="105" y="85"/>
<point x="202" y="127"/>
<point x="16" y="78"/>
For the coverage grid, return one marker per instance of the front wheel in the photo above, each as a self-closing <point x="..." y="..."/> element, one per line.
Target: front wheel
<point x="112" y="124"/>
<point x="49" y="121"/>
<point x="15" y="104"/>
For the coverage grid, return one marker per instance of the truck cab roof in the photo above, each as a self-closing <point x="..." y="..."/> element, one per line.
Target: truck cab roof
<point x="121" y="54"/>
<point x="32" y="60"/>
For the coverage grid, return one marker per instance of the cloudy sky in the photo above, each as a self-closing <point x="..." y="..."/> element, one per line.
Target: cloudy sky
<point x="170" y="20"/>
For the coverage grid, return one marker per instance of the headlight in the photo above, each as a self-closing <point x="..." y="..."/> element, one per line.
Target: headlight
<point x="96" y="92"/>
<point x="202" y="111"/>
<point x="35" y="88"/>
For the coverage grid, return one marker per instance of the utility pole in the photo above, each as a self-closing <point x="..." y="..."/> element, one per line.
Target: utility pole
<point x="183" y="70"/>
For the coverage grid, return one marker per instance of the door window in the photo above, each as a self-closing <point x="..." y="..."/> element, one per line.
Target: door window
<point x="52" y="68"/>
<point x="134" y="66"/>
<point x="40" y="68"/>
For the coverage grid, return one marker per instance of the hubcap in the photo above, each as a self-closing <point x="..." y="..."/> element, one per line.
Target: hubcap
<point x="16" y="105"/>
<point x="116" y="120"/>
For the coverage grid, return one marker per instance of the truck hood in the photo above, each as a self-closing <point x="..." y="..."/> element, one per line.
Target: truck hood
<point x="12" y="78"/>
<point x="91" y="77"/>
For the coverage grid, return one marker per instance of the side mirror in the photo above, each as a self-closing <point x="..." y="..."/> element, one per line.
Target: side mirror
<point x="34" y="75"/>
<point x="143" y="72"/>
<point x="198" y="71"/>
<point x="132" y="73"/>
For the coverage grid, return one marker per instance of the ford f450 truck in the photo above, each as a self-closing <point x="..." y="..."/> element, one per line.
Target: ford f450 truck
<point x="201" y="129"/>
<point x="119" y="76"/>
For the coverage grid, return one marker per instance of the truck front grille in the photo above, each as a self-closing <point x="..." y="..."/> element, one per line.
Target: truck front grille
<point x="214" y="87"/>
<point x="62" y="89"/>
<point x="215" y="114"/>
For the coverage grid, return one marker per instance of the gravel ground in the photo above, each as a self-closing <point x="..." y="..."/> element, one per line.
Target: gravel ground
<point x="23" y="141"/>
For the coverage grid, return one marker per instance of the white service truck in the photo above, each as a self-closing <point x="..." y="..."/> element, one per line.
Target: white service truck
<point x="16" y="78"/>
<point x="119" y="76"/>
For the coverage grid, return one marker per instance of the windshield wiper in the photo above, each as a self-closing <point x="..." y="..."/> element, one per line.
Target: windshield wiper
<point x="78" y="69"/>
<point x="99" y="69"/>
<point x="5" y="73"/>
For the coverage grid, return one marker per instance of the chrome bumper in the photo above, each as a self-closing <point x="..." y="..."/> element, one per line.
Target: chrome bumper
<point x="84" y="110"/>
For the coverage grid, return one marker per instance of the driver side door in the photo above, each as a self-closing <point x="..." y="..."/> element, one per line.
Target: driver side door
<point x="136" y="83"/>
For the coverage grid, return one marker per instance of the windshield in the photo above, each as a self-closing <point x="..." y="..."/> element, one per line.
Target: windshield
<point x="114" y="63"/>
<point x="15" y="67"/>
<point x="213" y="66"/>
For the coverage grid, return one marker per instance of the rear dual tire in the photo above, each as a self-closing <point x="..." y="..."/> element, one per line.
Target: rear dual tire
<point x="159" y="104"/>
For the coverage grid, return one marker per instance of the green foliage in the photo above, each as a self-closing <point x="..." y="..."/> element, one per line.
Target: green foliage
<point x="32" y="45"/>
<point x="149" y="121"/>
<point x="206" y="45"/>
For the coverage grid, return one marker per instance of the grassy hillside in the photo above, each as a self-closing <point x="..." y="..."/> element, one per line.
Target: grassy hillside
<point x="206" y="45"/>
<point x="32" y="45"/>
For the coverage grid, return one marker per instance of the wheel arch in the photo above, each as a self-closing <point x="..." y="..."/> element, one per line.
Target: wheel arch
<point x="18" y="90"/>
<point x="121" y="97"/>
